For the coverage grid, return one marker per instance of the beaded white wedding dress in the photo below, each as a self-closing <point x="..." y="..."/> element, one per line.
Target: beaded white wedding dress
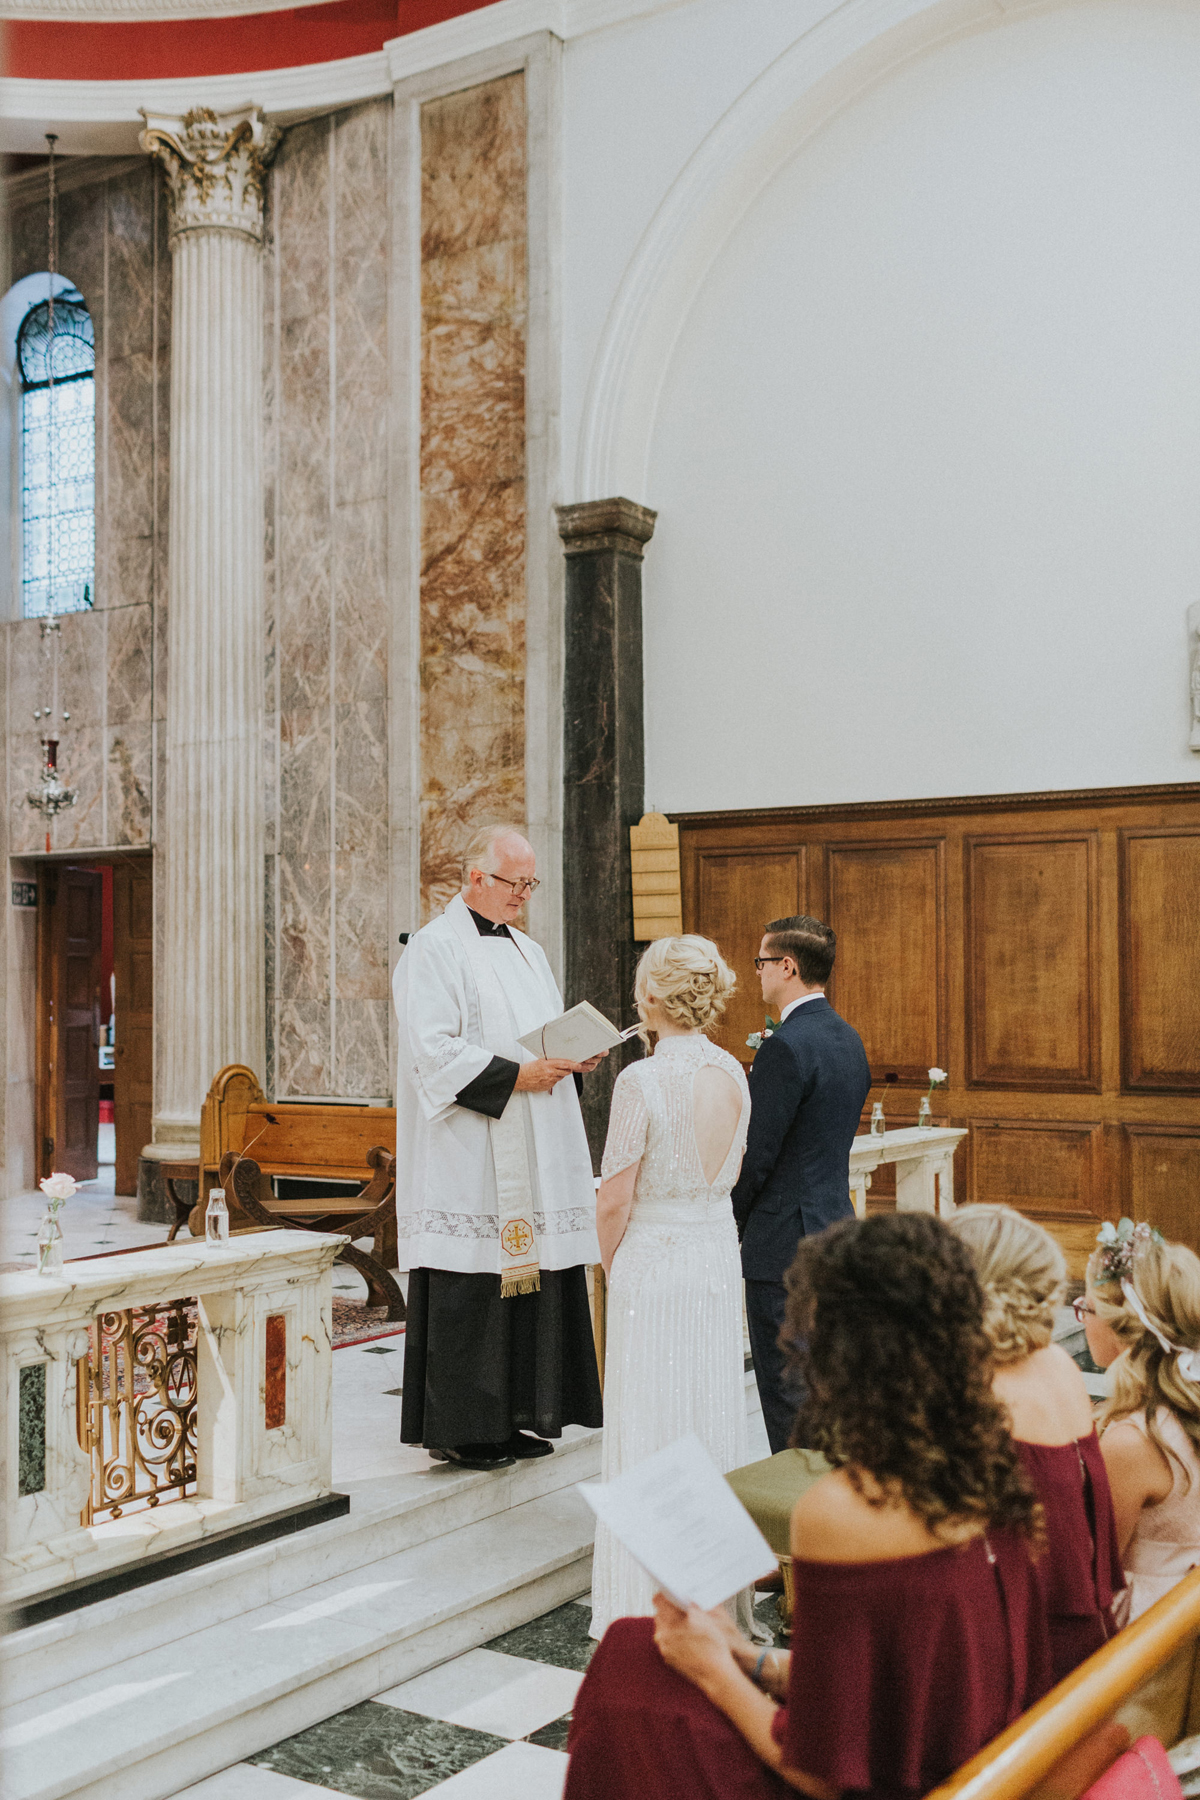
<point x="674" y="1361"/>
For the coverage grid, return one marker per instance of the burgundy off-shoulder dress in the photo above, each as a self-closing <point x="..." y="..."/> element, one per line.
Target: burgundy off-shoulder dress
<point x="1082" y="1564"/>
<point x="901" y="1671"/>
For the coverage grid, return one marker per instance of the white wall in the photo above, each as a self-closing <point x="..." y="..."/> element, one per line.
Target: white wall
<point x="927" y="449"/>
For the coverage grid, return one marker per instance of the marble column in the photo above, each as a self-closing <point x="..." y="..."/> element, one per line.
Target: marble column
<point x="603" y="767"/>
<point x="212" y="983"/>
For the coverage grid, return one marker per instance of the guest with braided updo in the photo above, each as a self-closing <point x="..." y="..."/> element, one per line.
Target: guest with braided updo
<point x="1023" y="1276"/>
<point x="919" y="1626"/>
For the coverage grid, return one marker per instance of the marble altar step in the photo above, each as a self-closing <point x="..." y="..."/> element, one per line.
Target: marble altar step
<point x="142" y="1723"/>
<point x="399" y="1510"/>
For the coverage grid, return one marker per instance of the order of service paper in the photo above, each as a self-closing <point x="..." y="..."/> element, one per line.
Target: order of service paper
<point x="678" y="1516"/>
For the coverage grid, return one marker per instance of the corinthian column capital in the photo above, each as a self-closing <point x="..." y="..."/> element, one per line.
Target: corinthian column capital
<point x="215" y="164"/>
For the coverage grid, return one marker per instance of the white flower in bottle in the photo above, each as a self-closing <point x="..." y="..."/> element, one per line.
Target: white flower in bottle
<point x="58" y="1188"/>
<point x="937" y="1076"/>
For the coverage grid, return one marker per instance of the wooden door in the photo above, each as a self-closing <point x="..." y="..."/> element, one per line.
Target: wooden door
<point x="133" y="1061"/>
<point x="1043" y="948"/>
<point x="734" y="894"/>
<point x="70" y="1021"/>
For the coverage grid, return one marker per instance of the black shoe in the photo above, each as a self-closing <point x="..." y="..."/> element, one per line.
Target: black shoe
<point x="523" y="1445"/>
<point x="476" y="1456"/>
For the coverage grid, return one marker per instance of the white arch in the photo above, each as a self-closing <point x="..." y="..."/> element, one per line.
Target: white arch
<point x="853" y="47"/>
<point x="16" y="303"/>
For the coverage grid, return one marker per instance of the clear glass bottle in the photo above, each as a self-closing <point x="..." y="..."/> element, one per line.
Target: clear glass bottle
<point x="878" y="1122"/>
<point x="50" y="1245"/>
<point x="925" y="1114"/>
<point x="216" y="1218"/>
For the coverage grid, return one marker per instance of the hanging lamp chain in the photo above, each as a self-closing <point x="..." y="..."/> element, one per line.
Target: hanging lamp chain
<point x="51" y="250"/>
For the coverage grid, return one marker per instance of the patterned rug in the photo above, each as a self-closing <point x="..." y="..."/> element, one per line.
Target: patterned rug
<point x="354" y="1323"/>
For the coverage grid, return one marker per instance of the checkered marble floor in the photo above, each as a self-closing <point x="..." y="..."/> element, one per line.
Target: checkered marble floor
<point x="489" y="1725"/>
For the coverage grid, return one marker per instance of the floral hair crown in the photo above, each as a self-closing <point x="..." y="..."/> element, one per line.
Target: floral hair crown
<point x="1119" y="1246"/>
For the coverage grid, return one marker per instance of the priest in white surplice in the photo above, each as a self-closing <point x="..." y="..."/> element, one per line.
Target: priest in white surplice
<point x="495" y="1198"/>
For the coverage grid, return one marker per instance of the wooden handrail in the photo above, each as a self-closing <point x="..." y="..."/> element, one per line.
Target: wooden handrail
<point x="1013" y="1764"/>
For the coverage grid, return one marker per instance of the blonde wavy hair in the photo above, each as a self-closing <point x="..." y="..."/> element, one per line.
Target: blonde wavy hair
<point x="1166" y="1279"/>
<point x="1022" y="1272"/>
<point x="688" y="978"/>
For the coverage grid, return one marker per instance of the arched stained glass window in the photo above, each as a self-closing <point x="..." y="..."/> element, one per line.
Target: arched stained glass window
<point x="58" y="457"/>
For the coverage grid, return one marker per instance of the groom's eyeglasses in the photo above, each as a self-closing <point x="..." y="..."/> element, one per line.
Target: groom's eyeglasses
<point x="760" y="960"/>
<point x="519" y="888"/>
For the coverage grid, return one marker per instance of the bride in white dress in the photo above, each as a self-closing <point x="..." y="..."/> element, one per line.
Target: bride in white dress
<point x="676" y="1134"/>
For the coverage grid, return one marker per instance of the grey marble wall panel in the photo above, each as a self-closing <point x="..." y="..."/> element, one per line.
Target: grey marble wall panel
<point x="129" y="497"/>
<point x="361" y="1067"/>
<point x="129" y="653"/>
<point x="131" y="257"/>
<point x="302" y="1056"/>
<point x="130" y="777"/>
<point x="361" y="229"/>
<point x="325" y="653"/>
<point x="302" y="616"/>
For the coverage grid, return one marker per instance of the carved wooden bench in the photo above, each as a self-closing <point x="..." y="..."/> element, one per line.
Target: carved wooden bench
<point x="247" y="1143"/>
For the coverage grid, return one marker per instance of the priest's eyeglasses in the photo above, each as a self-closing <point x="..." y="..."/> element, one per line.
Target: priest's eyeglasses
<point x="519" y="888"/>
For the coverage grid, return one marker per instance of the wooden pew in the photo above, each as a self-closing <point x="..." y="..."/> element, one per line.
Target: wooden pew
<point x="249" y="1142"/>
<point x="1022" y="1760"/>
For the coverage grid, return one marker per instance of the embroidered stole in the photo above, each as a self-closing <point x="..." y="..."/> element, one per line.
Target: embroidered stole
<point x="520" y="1269"/>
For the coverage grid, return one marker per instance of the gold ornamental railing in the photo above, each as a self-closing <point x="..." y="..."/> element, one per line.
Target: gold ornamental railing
<point x="137" y="1408"/>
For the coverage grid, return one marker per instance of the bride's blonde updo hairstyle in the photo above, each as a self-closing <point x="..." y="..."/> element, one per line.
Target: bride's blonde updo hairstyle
<point x="1022" y="1273"/>
<point x="688" y="978"/>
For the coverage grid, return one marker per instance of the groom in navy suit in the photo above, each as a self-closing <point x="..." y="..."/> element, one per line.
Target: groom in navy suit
<point x="807" y="1087"/>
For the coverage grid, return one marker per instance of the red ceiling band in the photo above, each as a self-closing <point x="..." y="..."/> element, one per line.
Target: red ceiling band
<point x="162" y="49"/>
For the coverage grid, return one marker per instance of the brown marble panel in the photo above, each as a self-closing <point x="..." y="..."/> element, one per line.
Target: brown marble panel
<point x="303" y="1056"/>
<point x="129" y="663"/>
<point x="130" y="783"/>
<point x="472" y="471"/>
<point x="362" y="1066"/>
<point x="473" y="167"/>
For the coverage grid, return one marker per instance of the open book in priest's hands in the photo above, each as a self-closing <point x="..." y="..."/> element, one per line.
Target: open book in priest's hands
<point x="576" y="1036"/>
<point x="678" y="1516"/>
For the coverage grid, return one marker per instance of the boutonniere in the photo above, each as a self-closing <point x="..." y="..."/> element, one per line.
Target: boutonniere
<point x="756" y="1038"/>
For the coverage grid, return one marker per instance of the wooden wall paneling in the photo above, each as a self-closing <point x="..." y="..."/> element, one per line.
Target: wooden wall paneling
<point x="733" y="895"/>
<point x="1163" y="1179"/>
<point x="1160" y="959"/>
<point x="887" y="905"/>
<point x="1030" y="954"/>
<point x="1051" y="1170"/>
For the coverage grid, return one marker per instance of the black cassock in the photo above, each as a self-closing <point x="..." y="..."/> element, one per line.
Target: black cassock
<point x="478" y="1368"/>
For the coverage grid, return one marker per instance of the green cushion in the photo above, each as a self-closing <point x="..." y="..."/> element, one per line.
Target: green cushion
<point x="770" y="1489"/>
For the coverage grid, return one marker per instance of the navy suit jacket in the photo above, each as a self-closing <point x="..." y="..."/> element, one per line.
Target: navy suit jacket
<point x="808" y="1083"/>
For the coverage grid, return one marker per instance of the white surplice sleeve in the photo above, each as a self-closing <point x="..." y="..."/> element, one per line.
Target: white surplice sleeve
<point x="432" y="1007"/>
<point x="628" y="1123"/>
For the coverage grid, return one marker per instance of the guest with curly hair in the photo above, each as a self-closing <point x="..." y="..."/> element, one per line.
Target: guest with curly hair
<point x="1023" y="1275"/>
<point x="919" y="1627"/>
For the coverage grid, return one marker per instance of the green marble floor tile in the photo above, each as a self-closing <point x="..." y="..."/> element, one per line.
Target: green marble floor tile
<point x="559" y="1637"/>
<point x="378" y="1752"/>
<point x="554" y="1735"/>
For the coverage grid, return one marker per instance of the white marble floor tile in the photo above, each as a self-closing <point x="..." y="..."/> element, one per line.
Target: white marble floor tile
<point x="518" y="1772"/>
<point x="248" y="1781"/>
<point x="488" y="1691"/>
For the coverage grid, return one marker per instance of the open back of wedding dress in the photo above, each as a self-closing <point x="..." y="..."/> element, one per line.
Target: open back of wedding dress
<point x="674" y="1360"/>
